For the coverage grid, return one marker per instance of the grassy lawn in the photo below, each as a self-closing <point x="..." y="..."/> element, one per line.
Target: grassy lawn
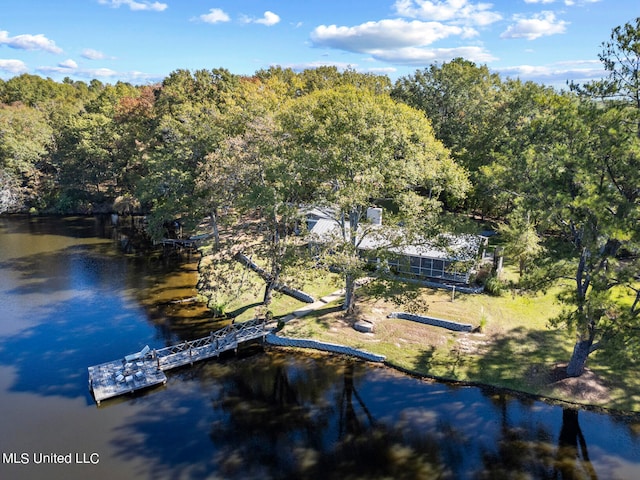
<point x="515" y="349"/>
<point x="247" y="306"/>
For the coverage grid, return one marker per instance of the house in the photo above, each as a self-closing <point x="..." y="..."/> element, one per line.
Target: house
<point x="447" y="258"/>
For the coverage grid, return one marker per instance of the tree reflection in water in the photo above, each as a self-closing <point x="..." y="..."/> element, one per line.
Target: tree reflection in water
<point x="280" y="424"/>
<point x="572" y="459"/>
<point x="527" y="451"/>
<point x="283" y="416"/>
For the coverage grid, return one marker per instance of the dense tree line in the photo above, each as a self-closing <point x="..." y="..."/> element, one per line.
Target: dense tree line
<point x="558" y="170"/>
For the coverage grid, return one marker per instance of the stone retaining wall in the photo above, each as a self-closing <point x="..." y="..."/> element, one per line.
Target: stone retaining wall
<point x="436" y="322"/>
<point x="279" y="341"/>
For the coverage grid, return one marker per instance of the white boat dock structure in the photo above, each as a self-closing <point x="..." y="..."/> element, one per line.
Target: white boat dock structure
<point x="146" y="368"/>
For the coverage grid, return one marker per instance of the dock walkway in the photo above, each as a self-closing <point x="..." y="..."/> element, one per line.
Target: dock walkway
<point x="146" y="368"/>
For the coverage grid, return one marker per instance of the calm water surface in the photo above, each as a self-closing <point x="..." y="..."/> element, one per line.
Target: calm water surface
<point x="70" y="299"/>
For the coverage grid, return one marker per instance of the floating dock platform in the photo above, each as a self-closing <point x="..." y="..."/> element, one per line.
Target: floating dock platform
<point x="146" y="368"/>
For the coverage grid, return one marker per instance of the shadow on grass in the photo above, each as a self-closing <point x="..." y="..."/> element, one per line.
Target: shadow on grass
<point x="424" y="362"/>
<point x="239" y="311"/>
<point x="521" y="358"/>
<point x="326" y="310"/>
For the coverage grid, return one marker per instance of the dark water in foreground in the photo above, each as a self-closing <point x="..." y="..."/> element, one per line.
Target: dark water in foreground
<point x="69" y="299"/>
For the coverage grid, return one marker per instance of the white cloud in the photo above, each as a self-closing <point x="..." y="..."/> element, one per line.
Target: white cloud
<point x="569" y="3"/>
<point x="382" y="70"/>
<point x="54" y="70"/>
<point x="540" y="25"/>
<point x="422" y="56"/>
<point x="69" y="63"/>
<point x="215" y="15"/>
<point x="12" y="66"/>
<point x="400" y="41"/>
<point x="579" y="3"/>
<point x="105" y="74"/>
<point x="556" y="74"/>
<point x="29" y="42"/>
<point x="385" y="34"/>
<point x="109" y="74"/>
<point x="136" y="6"/>
<point x="299" y="67"/>
<point x="99" y="73"/>
<point x="460" y="11"/>
<point x="91" y="54"/>
<point x="269" y="19"/>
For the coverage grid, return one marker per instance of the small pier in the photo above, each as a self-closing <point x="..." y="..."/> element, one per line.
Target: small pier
<point x="193" y="241"/>
<point x="146" y="368"/>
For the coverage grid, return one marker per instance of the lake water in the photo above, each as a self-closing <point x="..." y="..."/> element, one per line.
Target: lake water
<point x="70" y="299"/>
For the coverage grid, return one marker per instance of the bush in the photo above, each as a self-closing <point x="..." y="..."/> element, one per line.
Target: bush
<point x="494" y="286"/>
<point x="483" y="273"/>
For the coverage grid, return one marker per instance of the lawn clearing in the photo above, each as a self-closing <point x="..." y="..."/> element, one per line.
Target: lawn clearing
<point x="514" y="350"/>
<point x="248" y="304"/>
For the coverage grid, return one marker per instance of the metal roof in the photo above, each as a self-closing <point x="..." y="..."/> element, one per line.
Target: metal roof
<point x="446" y="246"/>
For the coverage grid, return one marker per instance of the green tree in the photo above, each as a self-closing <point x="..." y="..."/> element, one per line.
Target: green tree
<point x="134" y="120"/>
<point x="90" y="157"/>
<point x="25" y="138"/>
<point x="463" y="102"/>
<point x="604" y="224"/>
<point x="620" y="57"/>
<point x="523" y="244"/>
<point x="586" y="172"/>
<point x="256" y="179"/>
<point x="245" y="185"/>
<point x="520" y="123"/>
<point x="352" y="148"/>
<point x="607" y="208"/>
<point x="188" y="126"/>
<point x="323" y="78"/>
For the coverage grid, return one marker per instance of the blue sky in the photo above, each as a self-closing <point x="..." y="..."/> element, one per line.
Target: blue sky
<point x="142" y="41"/>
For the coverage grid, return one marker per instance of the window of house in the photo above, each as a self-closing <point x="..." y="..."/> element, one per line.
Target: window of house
<point x="415" y="265"/>
<point x="438" y="268"/>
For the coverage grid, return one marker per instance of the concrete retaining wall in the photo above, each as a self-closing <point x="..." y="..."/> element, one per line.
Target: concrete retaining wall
<point x="279" y="341"/>
<point x="436" y="322"/>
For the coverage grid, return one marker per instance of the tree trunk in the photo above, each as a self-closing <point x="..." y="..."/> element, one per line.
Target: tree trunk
<point x="268" y="292"/>
<point x="579" y="357"/>
<point x="214" y="227"/>
<point x="349" y="295"/>
<point x="272" y="279"/>
<point x="350" y="279"/>
<point x="521" y="267"/>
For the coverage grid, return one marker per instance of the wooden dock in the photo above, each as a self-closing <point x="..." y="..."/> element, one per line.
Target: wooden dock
<point x="193" y="241"/>
<point x="146" y="368"/>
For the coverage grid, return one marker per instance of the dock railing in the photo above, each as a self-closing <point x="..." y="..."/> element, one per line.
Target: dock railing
<point x="215" y="343"/>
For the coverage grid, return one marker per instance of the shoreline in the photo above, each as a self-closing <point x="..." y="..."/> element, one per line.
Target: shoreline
<point x="630" y="414"/>
<point x="626" y="414"/>
<point x="600" y="393"/>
